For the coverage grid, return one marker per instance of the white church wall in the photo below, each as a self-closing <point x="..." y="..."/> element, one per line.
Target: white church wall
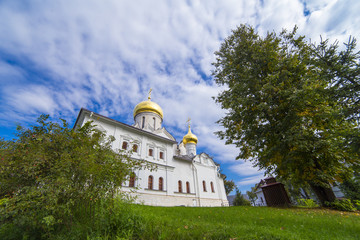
<point x="208" y="175"/>
<point x="184" y="174"/>
<point x="170" y="169"/>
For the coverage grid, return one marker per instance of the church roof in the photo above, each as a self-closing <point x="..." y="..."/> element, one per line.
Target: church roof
<point x="184" y="157"/>
<point x="84" y="110"/>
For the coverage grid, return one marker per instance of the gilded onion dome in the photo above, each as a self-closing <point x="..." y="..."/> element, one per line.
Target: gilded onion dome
<point x="148" y="106"/>
<point x="190" y="137"/>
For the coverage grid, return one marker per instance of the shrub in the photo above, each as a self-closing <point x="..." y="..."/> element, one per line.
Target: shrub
<point x="357" y="204"/>
<point x="308" y="203"/>
<point x="342" y="205"/>
<point x="53" y="176"/>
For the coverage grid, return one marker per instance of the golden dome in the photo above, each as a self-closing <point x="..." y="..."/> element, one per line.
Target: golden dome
<point x="190" y="137"/>
<point x="148" y="106"/>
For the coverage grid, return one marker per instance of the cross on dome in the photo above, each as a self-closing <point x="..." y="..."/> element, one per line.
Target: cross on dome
<point x="190" y="137"/>
<point x="148" y="106"/>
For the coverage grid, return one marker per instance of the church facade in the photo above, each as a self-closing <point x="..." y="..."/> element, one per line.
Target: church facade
<point x="182" y="177"/>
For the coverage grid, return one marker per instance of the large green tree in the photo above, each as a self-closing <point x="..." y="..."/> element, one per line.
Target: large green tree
<point x="52" y="175"/>
<point x="288" y="110"/>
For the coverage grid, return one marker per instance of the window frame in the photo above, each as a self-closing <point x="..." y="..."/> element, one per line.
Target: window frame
<point x="150" y="182"/>
<point x="212" y="187"/>
<point x="180" y="186"/>
<point x="151" y="152"/>
<point x="135" y="145"/>
<point x="132" y="179"/>
<point x="204" y="186"/>
<point x="161" y="184"/>
<point x="124" y="145"/>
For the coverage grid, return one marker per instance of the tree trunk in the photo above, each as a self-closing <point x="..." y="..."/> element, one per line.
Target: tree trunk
<point x="323" y="194"/>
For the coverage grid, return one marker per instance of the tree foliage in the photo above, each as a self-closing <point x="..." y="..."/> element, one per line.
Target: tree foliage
<point x="292" y="106"/>
<point x="51" y="172"/>
<point x="252" y="195"/>
<point x="229" y="186"/>
<point x="351" y="185"/>
<point x="240" y="199"/>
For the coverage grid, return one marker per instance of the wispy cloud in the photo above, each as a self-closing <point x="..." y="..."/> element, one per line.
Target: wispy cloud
<point x="59" y="56"/>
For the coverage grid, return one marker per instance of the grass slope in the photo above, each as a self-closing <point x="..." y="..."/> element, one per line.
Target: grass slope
<point x="247" y="223"/>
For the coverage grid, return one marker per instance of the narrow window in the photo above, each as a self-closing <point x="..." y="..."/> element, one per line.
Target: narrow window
<point x="180" y="186"/>
<point x="161" y="184"/>
<point x="132" y="180"/>
<point x="150" y="182"/>
<point x="143" y="122"/>
<point x="124" y="145"/>
<point x="161" y="155"/>
<point x="187" y="187"/>
<point x="154" y="122"/>
<point x="150" y="152"/>
<point x="204" y="186"/>
<point x="212" y="187"/>
<point x="135" y="148"/>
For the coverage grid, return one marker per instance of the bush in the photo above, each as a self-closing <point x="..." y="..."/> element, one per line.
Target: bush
<point x="307" y="203"/>
<point x="53" y="177"/>
<point x="342" y="205"/>
<point x="357" y="204"/>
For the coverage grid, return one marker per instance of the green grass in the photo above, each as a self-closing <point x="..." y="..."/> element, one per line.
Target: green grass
<point x="122" y="220"/>
<point x="247" y="223"/>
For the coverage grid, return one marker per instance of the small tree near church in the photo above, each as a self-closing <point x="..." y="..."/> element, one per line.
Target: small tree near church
<point x="229" y="186"/>
<point x="292" y="107"/>
<point x="53" y="176"/>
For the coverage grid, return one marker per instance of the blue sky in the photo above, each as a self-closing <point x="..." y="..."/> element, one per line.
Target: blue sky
<point x="58" y="56"/>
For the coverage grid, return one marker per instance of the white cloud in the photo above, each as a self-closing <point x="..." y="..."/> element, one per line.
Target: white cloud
<point x="105" y="55"/>
<point x="250" y="181"/>
<point x="32" y="99"/>
<point x="245" y="169"/>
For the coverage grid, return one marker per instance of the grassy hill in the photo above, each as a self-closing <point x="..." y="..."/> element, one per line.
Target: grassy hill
<point x="247" y="223"/>
<point x="128" y="221"/>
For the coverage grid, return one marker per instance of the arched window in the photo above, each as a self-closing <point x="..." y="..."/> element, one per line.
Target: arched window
<point x="154" y="122"/>
<point x="132" y="179"/>
<point x="212" y="187"/>
<point x="161" y="184"/>
<point x="151" y="152"/>
<point x="143" y="122"/>
<point x="135" y="148"/>
<point x="124" y="145"/>
<point x="187" y="187"/>
<point x="180" y="186"/>
<point x="204" y="186"/>
<point x="150" y="182"/>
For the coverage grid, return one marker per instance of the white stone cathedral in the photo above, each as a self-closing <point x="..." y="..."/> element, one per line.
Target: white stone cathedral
<point x="182" y="177"/>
